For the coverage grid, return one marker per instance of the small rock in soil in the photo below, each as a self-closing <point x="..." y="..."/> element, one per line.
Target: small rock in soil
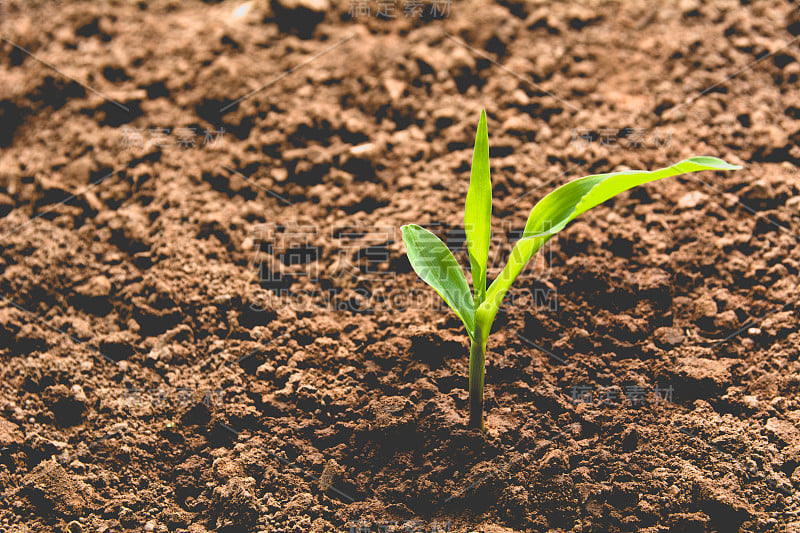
<point x="225" y="469"/>
<point x="392" y="412"/>
<point x="555" y="461"/>
<point x="9" y="434"/>
<point x="702" y="375"/>
<point x="96" y="287"/>
<point x="720" y="501"/>
<point x="442" y="412"/>
<point x="705" y="311"/>
<point x="236" y="502"/>
<point x="666" y="337"/>
<point x="692" y="199"/>
<point x="51" y="486"/>
<point x="265" y="371"/>
<point x="727" y="320"/>
<point x="299" y="505"/>
<point x="782" y="430"/>
<point x="655" y="284"/>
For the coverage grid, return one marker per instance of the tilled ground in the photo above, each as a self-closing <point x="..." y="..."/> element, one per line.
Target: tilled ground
<point x="208" y="321"/>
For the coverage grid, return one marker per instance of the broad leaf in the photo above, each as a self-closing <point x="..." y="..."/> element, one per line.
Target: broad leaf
<point x="560" y="207"/>
<point x="478" y="211"/>
<point x="434" y="263"/>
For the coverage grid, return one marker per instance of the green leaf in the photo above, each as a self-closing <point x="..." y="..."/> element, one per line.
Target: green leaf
<point x="478" y="211"/>
<point x="435" y="264"/>
<point x="560" y="207"/>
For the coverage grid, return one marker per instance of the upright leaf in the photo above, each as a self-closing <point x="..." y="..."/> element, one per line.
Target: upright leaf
<point x="478" y="211"/>
<point x="435" y="264"/>
<point x="560" y="207"/>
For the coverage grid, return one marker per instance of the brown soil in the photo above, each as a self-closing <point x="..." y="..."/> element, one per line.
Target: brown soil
<point x="228" y="336"/>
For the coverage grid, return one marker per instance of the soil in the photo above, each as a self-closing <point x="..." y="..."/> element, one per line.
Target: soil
<point x="208" y="321"/>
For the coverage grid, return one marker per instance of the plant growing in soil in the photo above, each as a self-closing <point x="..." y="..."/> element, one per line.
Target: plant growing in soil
<point x="435" y="264"/>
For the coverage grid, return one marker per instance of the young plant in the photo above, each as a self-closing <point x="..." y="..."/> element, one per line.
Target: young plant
<point x="435" y="264"/>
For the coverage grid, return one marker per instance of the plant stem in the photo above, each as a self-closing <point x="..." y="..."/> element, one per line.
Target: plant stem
<point x="477" y="369"/>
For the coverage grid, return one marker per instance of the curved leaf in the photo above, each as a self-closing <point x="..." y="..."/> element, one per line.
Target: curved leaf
<point x="478" y="211"/>
<point x="434" y="263"/>
<point x="560" y="207"/>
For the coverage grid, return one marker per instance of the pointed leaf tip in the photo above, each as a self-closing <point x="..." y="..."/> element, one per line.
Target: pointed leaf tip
<point x="435" y="264"/>
<point x="478" y="211"/>
<point x="553" y="212"/>
<point x="714" y="162"/>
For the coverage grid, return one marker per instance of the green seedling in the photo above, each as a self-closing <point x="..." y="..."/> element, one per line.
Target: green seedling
<point x="435" y="264"/>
